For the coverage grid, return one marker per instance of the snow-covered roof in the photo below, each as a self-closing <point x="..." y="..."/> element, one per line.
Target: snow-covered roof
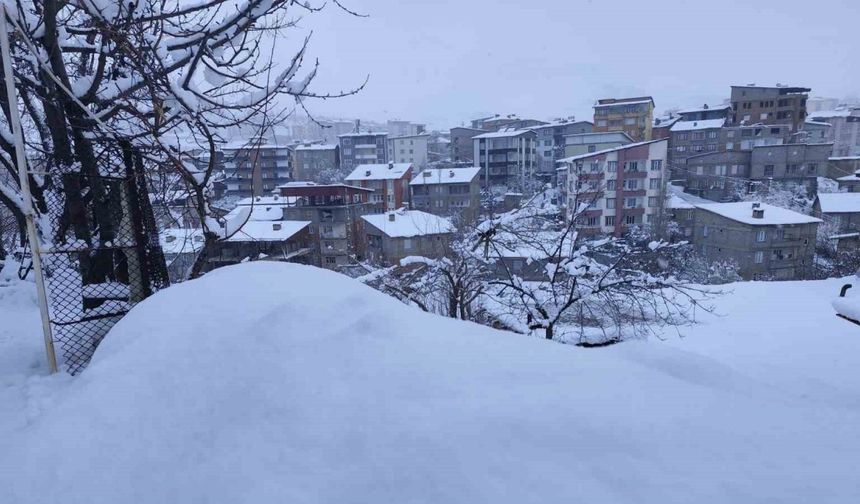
<point x="556" y="124"/>
<point x="849" y="178"/>
<point x="259" y="212"/>
<point x="839" y="202"/>
<point x="382" y="171"/>
<point x="365" y="133"/>
<point x="274" y="200"/>
<point x="316" y="147"/>
<point x="606" y="151"/>
<point x="255" y="230"/>
<point x="409" y="136"/>
<point x="181" y="240"/>
<point x="619" y="103"/>
<point x="663" y="121"/>
<point x="742" y="211"/>
<point x="830" y="113"/>
<point x="703" y="109"/>
<point x="677" y="198"/>
<point x="698" y="125"/>
<point x="507" y="133"/>
<point x="409" y="223"/>
<point x="818" y="123"/>
<point x="446" y="176"/>
<point x="844" y="158"/>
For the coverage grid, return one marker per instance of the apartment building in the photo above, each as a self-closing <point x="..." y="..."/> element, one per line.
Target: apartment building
<point x="583" y="143"/>
<point x="311" y="159"/>
<point x="790" y="163"/>
<point x="690" y="138"/>
<point x="507" y="157"/>
<point x="254" y="167"/>
<point x="404" y="128"/>
<point x="395" y="235"/>
<point x="499" y="122"/>
<point x="745" y="138"/>
<point x="778" y="104"/>
<point x="462" y="147"/>
<point x="623" y="186"/>
<point x="389" y="183"/>
<point x="334" y="212"/>
<point x="412" y="149"/>
<point x="844" y="131"/>
<point x="765" y="241"/>
<point x="550" y="141"/>
<point x="362" y="148"/>
<point x="634" y="116"/>
<point x="718" y="176"/>
<point x="706" y="113"/>
<point x="662" y="126"/>
<point x="846" y="171"/>
<point x="448" y="192"/>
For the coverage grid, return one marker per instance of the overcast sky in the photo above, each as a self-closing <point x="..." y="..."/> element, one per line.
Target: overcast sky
<point x="443" y="62"/>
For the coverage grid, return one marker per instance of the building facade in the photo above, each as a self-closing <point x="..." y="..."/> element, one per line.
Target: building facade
<point x="462" y="147"/>
<point x="252" y="168"/>
<point x="778" y="104"/>
<point x="448" y="192"/>
<point x="583" y="143"/>
<point x="844" y="131"/>
<point x="309" y="160"/>
<point x="362" y="148"/>
<point x="791" y="163"/>
<point x="718" y="176"/>
<point x="691" y="138"/>
<point x="764" y="241"/>
<point x="412" y="149"/>
<point x="634" y="116"/>
<point x="393" y="236"/>
<point x="334" y="212"/>
<point x="507" y="158"/>
<point x="623" y="187"/>
<point x="550" y="141"/>
<point x="389" y="183"/>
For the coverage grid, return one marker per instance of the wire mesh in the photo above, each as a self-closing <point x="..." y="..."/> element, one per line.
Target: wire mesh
<point x="104" y="258"/>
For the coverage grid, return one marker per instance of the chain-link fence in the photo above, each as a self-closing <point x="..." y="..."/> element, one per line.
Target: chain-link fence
<point x="103" y="259"/>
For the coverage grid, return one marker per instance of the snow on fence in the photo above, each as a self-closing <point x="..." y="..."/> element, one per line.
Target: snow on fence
<point x="102" y="257"/>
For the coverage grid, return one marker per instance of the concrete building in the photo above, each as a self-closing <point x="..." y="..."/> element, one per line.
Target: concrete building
<point x="448" y="192"/>
<point x="334" y="212"/>
<point x="507" y="157"/>
<point x="744" y="138"/>
<point x="310" y="159"/>
<point x="790" y="163"/>
<point x="634" y="116"/>
<point x="362" y="148"/>
<point x="404" y="128"/>
<point x="766" y="242"/>
<point x="551" y="142"/>
<point x="583" y="143"/>
<point x="818" y="103"/>
<point x="252" y="168"/>
<point x="623" y="186"/>
<point x="499" y="122"/>
<point x="846" y="171"/>
<point x="411" y="149"/>
<point x="271" y="240"/>
<point x="462" y="147"/>
<point x="395" y="235"/>
<point x="706" y="113"/>
<point x="389" y="183"/>
<point x="769" y="105"/>
<point x="718" y="176"/>
<point x="814" y="132"/>
<point x="690" y="138"/>
<point x="439" y="147"/>
<point x="844" y="131"/>
<point x="842" y="210"/>
<point x="662" y="125"/>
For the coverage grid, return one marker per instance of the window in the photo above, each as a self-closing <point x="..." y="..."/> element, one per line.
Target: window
<point x="631" y="184"/>
<point x="592" y="148"/>
<point x="595" y="167"/>
<point x="705" y="231"/>
<point x="730" y="134"/>
<point x="683" y="136"/>
<point x="768" y="170"/>
<point x="612" y="166"/>
<point x="681" y="148"/>
<point x="656" y="164"/>
<point x="812" y="168"/>
<point x="601" y="122"/>
<point x="774" y="131"/>
<point x="792" y="168"/>
<point x="330" y="260"/>
<point x="630" y="121"/>
<point x="761" y="236"/>
<point x="759" y="257"/>
<point x="653" y="201"/>
<point x="591" y="222"/>
<point x="632" y="166"/>
<point x="609" y="220"/>
<point x="407" y="244"/>
<point x="699" y="135"/>
<point x="747" y="117"/>
<point x="654" y="183"/>
<point x="630" y="202"/>
<point x="610" y="203"/>
<point x="712" y="134"/>
<point x="730" y="145"/>
<point x="630" y="219"/>
<point x="763" y="115"/>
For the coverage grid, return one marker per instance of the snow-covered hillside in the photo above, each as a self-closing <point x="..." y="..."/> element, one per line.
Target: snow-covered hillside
<point x="270" y="382"/>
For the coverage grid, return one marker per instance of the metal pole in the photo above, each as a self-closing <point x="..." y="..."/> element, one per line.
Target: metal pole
<point x="21" y="161"/>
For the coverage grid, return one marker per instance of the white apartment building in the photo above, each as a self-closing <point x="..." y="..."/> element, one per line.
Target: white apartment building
<point x="409" y="149"/>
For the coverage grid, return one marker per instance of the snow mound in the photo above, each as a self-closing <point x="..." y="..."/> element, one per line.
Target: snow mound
<point x="271" y="382"/>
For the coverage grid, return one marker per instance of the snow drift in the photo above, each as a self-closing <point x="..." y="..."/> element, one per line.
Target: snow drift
<point x="269" y="382"/>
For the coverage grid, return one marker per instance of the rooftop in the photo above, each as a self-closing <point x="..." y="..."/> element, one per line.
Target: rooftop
<point x="608" y="102"/>
<point x="445" y="176"/>
<point x="677" y="198"/>
<point x="316" y="147"/>
<point x="607" y="151"/>
<point x="508" y="133"/>
<point x="410" y="136"/>
<point x="742" y="211"/>
<point x="253" y="230"/>
<point x="364" y="133"/>
<point x="181" y="240"/>
<point x="698" y="125"/>
<point x="839" y="202"/>
<point x="408" y="223"/>
<point x="704" y="109"/>
<point x="382" y="171"/>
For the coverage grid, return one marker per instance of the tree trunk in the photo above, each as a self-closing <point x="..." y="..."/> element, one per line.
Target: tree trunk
<point x="548" y="332"/>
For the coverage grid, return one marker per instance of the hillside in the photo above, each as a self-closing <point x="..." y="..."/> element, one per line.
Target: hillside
<point x="270" y="382"/>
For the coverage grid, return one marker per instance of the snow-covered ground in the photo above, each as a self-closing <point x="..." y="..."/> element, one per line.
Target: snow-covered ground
<point x="270" y="382"/>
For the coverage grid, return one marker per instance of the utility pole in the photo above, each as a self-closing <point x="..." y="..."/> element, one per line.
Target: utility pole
<point x="24" y="178"/>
